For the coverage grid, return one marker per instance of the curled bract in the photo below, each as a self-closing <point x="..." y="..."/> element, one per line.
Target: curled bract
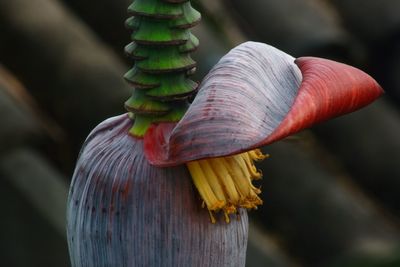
<point x="254" y="96"/>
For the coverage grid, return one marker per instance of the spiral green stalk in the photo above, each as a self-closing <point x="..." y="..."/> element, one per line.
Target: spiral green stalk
<point x="161" y="46"/>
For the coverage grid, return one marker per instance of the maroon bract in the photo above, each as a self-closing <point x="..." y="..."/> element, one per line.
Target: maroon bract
<point x="255" y="96"/>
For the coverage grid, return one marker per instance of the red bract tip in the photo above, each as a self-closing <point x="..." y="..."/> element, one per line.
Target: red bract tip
<point x="328" y="89"/>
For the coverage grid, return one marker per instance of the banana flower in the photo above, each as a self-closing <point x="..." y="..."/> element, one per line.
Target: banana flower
<point x="132" y="201"/>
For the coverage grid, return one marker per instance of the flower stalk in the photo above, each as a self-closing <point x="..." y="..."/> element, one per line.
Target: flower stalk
<point x="161" y="46"/>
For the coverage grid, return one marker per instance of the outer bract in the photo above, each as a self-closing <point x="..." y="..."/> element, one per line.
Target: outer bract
<point x="124" y="212"/>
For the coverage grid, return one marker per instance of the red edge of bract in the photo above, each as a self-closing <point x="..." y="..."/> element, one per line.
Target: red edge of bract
<point x="156" y="144"/>
<point x="328" y="89"/>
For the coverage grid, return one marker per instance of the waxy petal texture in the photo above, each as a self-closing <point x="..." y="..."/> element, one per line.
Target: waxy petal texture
<point x="254" y="96"/>
<point x="124" y="212"/>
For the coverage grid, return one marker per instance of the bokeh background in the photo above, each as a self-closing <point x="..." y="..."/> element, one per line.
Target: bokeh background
<point x="332" y="193"/>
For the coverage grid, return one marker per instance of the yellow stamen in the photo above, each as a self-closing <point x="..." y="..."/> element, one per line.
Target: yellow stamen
<point x="225" y="179"/>
<point x="225" y="183"/>
<point x="254" y="174"/>
<point x="212" y="179"/>
<point x="202" y="185"/>
<point x="257" y="155"/>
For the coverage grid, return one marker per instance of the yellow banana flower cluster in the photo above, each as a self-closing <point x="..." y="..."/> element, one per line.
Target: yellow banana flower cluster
<point x="225" y="183"/>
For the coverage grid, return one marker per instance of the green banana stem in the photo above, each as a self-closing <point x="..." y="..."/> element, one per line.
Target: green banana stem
<point x="161" y="46"/>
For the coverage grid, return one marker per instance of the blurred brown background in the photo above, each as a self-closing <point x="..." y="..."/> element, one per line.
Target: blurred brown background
<point x="332" y="194"/>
